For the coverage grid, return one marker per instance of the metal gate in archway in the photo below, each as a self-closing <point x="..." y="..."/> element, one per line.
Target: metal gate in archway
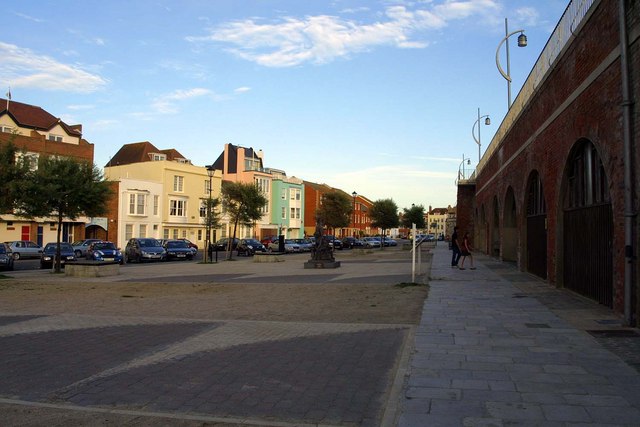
<point x="536" y="228"/>
<point x="588" y="267"/>
<point x="588" y="226"/>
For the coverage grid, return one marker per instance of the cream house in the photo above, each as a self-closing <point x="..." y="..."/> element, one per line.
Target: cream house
<point x="169" y="198"/>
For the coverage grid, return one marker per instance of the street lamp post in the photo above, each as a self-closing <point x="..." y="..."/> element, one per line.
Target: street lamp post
<point x="462" y="175"/>
<point x="522" y="42"/>
<point x="210" y="171"/>
<point x="354" y="194"/>
<point x="487" y="121"/>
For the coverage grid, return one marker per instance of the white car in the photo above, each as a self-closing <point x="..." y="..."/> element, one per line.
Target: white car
<point x="24" y="249"/>
<point x="289" y="246"/>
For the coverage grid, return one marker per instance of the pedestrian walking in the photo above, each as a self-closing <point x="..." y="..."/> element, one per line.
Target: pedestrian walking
<point x="465" y="251"/>
<point x="455" y="247"/>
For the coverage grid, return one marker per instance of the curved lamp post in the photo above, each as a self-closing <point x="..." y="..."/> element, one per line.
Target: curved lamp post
<point x="487" y="121"/>
<point x="210" y="171"/>
<point x="354" y="194"/>
<point x="461" y="171"/>
<point x="522" y="42"/>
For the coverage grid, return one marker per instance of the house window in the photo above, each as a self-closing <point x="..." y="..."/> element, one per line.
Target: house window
<point x="128" y="231"/>
<point x="207" y="186"/>
<point x="178" y="183"/>
<point x="165" y="233"/>
<point x="55" y="138"/>
<point x="297" y="213"/>
<point x="178" y="207"/>
<point x="6" y="129"/>
<point x="292" y="215"/>
<point x="156" y="157"/>
<point x="137" y="203"/>
<point x="143" y="230"/>
<point x="283" y="194"/>
<point x="199" y="234"/>
<point x="156" y="200"/>
<point x="284" y="213"/>
<point x="203" y="209"/>
<point x="175" y="233"/>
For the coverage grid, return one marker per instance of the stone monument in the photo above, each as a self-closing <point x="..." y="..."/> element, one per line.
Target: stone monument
<point x="321" y="253"/>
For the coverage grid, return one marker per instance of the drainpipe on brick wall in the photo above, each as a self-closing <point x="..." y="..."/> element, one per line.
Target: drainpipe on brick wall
<point x="629" y="214"/>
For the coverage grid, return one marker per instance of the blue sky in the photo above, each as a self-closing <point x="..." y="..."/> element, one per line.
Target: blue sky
<point x="377" y="97"/>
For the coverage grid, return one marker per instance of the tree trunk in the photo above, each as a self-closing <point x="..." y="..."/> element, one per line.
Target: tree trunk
<point x="57" y="258"/>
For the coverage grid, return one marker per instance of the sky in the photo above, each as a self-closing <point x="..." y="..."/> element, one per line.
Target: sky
<point x="376" y="97"/>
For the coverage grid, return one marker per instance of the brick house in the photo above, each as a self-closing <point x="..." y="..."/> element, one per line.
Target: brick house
<point x="37" y="132"/>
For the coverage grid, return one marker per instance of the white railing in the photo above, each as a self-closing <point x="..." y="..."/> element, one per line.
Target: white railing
<point x="576" y="11"/>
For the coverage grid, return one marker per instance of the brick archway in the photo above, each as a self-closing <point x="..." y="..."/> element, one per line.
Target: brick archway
<point x="509" y="227"/>
<point x="588" y="225"/>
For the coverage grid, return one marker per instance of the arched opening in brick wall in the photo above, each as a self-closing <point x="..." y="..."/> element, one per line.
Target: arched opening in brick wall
<point x="482" y="231"/>
<point x="509" y="228"/>
<point x="495" y="228"/>
<point x="587" y="229"/>
<point x="536" y="217"/>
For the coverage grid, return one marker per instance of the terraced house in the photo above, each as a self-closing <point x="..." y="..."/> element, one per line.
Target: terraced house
<point x="161" y="194"/>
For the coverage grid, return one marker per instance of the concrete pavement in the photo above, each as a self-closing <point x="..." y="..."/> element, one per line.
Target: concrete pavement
<point x="498" y="347"/>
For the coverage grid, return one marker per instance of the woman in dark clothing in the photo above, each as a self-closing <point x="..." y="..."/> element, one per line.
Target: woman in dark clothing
<point x="465" y="251"/>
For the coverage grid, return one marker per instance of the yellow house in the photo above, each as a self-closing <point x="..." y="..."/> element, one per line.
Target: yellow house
<point x="181" y="206"/>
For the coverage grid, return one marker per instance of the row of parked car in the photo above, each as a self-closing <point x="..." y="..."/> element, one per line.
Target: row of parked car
<point x="137" y="249"/>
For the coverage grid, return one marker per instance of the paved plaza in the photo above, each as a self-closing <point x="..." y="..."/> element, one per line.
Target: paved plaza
<point x="493" y="347"/>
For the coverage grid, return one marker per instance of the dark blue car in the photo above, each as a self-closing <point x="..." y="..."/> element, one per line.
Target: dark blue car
<point x="104" y="251"/>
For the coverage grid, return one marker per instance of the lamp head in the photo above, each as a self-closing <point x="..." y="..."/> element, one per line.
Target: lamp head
<point x="210" y="170"/>
<point x="522" y="40"/>
<point x="468" y="161"/>
<point x="354" y="194"/>
<point x="487" y="121"/>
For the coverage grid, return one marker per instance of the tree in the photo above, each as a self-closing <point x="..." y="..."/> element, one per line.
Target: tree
<point x="414" y="215"/>
<point x="335" y="210"/>
<point x="244" y="203"/>
<point x="63" y="187"/>
<point x="384" y="214"/>
<point x="13" y="169"/>
<point x="211" y="221"/>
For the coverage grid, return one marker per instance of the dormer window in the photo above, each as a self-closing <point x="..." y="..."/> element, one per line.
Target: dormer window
<point x="156" y="157"/>
<point x="54" y="138"/>
<point x="6" y="129"/>
<point x="181" y="160"/>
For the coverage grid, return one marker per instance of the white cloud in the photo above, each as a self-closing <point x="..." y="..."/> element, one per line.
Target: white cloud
<point x="527" y="16"/>
<point x="323" y="38"/>
<point x="242" y="89"/>
<point x="24" y="68"/>
<point x="29" y="18"/>
<point x="167" y="104"/>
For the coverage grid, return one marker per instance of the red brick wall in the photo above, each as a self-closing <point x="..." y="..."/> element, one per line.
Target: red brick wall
<point x="595" y="114"/>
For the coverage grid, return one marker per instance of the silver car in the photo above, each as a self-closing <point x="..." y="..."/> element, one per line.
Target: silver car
<point x="24" y="249"/>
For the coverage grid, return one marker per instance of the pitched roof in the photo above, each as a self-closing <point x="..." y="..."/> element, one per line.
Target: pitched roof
<point x="34" y="117"/>
<point x="141" y="152"/>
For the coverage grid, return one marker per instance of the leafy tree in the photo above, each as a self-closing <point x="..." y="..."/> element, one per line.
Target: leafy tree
<point x="414" y="215"/>
<point x="384" y="214"/>
<point x="12" y="171"/>
<point x="244" y="203"/>
<point x="63" y="187"/>
<point x="335" y="210"/>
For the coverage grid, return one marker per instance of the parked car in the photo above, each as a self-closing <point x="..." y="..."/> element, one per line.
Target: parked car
<point x="24" y="249"/>
<point x="305" y="244"/>
<point x="267" y="240"/>
<point x="48" y="257"/>
<point x="144" y="249"/>
<point x="104" y="251"/>
<point x="289" y="246"/>
<point x="177" y="249"/>
<point x="81" y="246"/>
<point x="372" y="242"/>
<point x="334" y="242"/>
<point x="6" y="257"/>
<point x="223" y="244"/>
<point x="249" y="247"/>
<point x="352" y="242"/>
<point x="192" y="245"/>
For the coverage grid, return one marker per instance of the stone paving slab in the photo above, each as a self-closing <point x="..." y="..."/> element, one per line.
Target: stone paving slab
<point x="489" y="352"/>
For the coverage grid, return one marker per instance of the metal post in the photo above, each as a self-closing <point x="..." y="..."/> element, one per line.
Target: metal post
<point x="506" y="33"/>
